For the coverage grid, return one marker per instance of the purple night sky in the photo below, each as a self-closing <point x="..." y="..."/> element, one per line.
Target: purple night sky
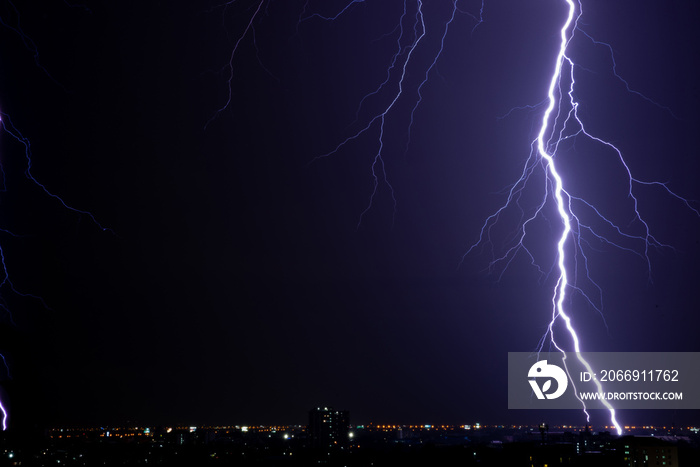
<point x="238" y="287"/>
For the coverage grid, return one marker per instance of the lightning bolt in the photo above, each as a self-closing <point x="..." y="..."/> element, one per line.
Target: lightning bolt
<point x="8" y="127"/>
<point x="409" y="37"/>
<point x="560" y="195"/>
<point x="228" y="68"/>
<point x="561" y="121"/>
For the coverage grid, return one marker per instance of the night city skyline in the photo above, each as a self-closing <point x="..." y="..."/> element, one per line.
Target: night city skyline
<point x="360" y="445"/>
<point x="250" y="268"/>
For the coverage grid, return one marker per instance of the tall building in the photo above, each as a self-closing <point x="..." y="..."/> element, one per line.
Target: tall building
<point x="328" y="428"/>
